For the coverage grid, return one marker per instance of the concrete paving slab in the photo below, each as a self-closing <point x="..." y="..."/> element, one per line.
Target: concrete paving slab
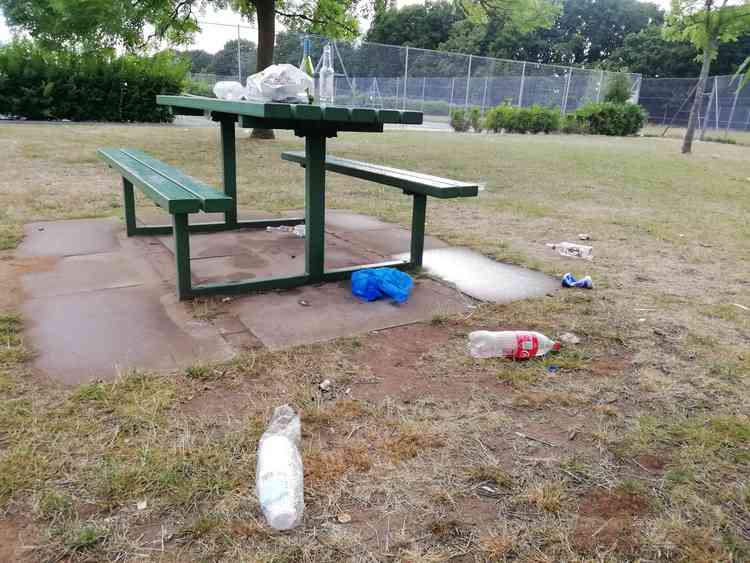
<point x="85" y="336"/>
<point x="346" y="221"/>
<point x="386" y="242"/>
<point x="484" y="278"/>
<point x="70" y="238"/>
<point x="279" y="320"/>
<point x="88" y="272"/>
<point x="157" y="216"/>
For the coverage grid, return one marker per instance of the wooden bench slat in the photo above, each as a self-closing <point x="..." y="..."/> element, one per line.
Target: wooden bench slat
<point x="414" y="182"/>
<point x="165" y="193"/>
<point x="212" y="201"/>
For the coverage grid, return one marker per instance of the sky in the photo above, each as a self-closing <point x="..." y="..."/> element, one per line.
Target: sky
<point x="219" y="26"/>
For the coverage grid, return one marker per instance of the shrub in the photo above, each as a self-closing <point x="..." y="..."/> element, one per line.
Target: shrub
<point x="618" y="89"/>
<point x="570" y="124"/>
<point x="543" y="120"/>
<point x="459" y="120"/>
<point x="475" y="118"/>
<point x="608" y="118"/>
<point x="40" y="84"/>
<point x="536" y="119"/>
<point x="198" y="88"/>
<point x="498" y="118"/>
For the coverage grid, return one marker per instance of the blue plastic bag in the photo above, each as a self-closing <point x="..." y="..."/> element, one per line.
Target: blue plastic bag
<point x="372" y="284"/>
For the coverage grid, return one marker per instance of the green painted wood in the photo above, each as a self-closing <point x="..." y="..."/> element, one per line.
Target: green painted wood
<point x="315" y="194"/>
<point x="301" y="112"/>
<point x="340" y="274"/>
<point x="336" y="113"/>
<point x="229" y="168"/>
<point x="211" y="199"/>
<point x="246" y="286"/>
<point x="418" y="215"/>
<point x="411" y="182"/>
<point x="307" y="113"/>
<point x="162" y="191"/>
<point x="182" y="254"/>
<point x="129" y="206"/>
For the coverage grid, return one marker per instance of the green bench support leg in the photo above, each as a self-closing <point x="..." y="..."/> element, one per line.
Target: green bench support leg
<point x="229" y="165"/>
<point x="129" y="203"/>
<point x="315" y="194"/>
<point x="182" y="254"/>
<point x="417" y="229"/>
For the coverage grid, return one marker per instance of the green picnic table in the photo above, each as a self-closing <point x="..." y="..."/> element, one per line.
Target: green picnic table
<point x="181" y="195"/>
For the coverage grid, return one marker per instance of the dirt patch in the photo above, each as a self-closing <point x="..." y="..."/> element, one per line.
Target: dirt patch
<point x="11" y="270"/>
<point x="608" y="366"/>
<point x="11" y="544"/>
<point x="608" y="520"/>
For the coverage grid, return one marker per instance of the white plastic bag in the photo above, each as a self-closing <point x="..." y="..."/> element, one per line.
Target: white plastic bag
<point x="228" y="90"/>
<point x="280" y="83"/>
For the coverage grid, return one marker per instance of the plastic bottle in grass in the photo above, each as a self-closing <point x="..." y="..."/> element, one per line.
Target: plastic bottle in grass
<point x="278" y="475"/>
<point x="515" y="344"/>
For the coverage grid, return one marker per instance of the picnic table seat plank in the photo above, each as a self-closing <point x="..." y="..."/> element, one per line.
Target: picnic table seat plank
<point x="414" y="182"/>
<point x="170" y="189"/>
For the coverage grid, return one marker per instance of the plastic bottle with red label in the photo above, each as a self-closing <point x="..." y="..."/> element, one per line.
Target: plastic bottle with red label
<point x="514" y="344"/>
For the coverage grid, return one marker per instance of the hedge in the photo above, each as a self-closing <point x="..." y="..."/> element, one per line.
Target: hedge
<point x="36" y="83"/>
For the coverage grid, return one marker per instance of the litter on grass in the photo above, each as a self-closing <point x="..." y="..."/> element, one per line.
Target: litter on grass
<point x="374" y="283"/>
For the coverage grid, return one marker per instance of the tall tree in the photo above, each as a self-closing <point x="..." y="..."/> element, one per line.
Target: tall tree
<point x="706" y="24"/>
<point x="225" y="61"/>
<point x="199" y="59"/>
<point x="649" y="54"/>
<point x="423" y="25"/>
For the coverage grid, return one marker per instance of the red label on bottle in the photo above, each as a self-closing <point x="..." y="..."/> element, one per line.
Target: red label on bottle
<point x="527" y="346"/>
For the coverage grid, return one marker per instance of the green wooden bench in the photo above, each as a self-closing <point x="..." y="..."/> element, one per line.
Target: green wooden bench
<point x="175" y="192"/>
<point x="412" y="183"/>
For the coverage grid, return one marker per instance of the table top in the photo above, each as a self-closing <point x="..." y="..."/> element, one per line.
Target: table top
<point x="323" y="114"/>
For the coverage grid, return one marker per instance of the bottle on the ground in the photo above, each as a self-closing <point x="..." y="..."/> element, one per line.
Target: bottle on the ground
<point x="279" y="474"/>
<point x="516" y="344"/>
<point x="573" y="250"/>
<point x="326" y="76"/>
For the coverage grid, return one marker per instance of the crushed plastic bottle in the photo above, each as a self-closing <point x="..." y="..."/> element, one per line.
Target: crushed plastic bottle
<point x="228" y="90"/>
<point x="279" y="475"/>
<point x="516" y="344"/>
<point x="573" y="250"/>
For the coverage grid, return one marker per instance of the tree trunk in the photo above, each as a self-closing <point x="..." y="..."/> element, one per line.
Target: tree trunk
<point x="687" y="142"/>
<point x="266" y="14"/>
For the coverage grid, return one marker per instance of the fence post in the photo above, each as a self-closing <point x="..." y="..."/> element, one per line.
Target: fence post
<point x="731" y="112"/>
<point x="468" y="83"/>
<point x="564" y="106"/>
<point x="708" y="111"/>
<point x="747" y="122"/>
<point x="484" y="94"/>
<point x="601" y="84"/>
<point x="520" y="90"/>
<point x="239" y="56"/>
<point x="406" y="74"/>
<point x="450" y="103"/>
<point x="637" y="95"/>
<point x="424" y="81"/>
<point x="716" y="101"/>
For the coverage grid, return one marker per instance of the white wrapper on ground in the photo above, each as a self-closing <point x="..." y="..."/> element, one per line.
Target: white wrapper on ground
<point x="279" y="477"/>
<point x="280" y="83"/>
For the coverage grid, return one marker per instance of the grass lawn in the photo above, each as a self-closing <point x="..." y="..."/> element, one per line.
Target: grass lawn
<point x="638" y="448"/>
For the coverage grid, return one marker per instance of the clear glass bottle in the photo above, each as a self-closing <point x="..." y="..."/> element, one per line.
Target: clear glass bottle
<point x="326" y="76"/>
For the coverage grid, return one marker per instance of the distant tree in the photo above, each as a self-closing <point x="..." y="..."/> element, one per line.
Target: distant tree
<point x="424" y="25"/>
<point x="199" y="59"/>
<point x="224" y="62"/>
<point x="706" y="24"/>
<point x="649" y="54"/>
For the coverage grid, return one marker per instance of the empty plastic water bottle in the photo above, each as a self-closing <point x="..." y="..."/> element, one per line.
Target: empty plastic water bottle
<point x="573" y="250"/>
<point x="569" y="280"/>
<point x="279" y="475"/>
<point x="516" y="344"/>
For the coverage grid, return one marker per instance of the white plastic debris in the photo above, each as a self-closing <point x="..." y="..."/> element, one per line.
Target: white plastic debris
<point x="279" y="474"/>
<point x="280" y="83"/>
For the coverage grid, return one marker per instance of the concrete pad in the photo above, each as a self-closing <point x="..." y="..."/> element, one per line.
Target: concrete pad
<point x="157" y="216"/>
<point x="70" y="238"/>
<point x="386" y="242"/>
<point x="84" y="336"/>
<point x="484" y="278"/>
<point x="346" y="221"/>
<point x="88" y="272"/>
<point x="279" y="320"/>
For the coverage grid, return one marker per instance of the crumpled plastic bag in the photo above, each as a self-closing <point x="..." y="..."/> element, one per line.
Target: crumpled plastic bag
<point x="374" y="283"/>
<point x="280" y="83"/>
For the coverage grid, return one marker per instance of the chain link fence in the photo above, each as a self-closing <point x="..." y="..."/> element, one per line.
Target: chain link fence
<point x="723" y="107"/>
<point x="434" y="82"/>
